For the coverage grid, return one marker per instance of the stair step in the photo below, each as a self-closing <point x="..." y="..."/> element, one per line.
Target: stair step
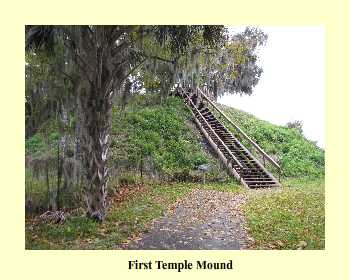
<point x="256" y="176"/>
<point x="255" y="173"/>
<point x="263" y="186"/>
<point x="261" y="175"/>
<point x="207" y="114"/>
<point x="260" y="183"/>
<point x="258" y="180"/>
<point x="252" y="174"/>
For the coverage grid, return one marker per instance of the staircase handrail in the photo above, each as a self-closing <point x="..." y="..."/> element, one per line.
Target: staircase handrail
<point x="245" y="136"/>
<point x="212" y="130"/>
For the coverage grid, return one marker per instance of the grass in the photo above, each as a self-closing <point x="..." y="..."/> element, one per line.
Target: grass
<point x="276" y="220"/>
<point x="125" y="220"/>
<point x="157" y="135"/>
<point x="161" y="138"/>
<point x="288" y="219"/>
<point x="298" y="156"/>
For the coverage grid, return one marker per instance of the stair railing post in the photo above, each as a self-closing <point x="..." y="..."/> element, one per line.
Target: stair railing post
<point x="279" y="173"/>
<point x="199" y="99"/>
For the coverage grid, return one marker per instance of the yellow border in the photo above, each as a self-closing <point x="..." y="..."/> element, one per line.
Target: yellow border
<point x="21" y="264"/>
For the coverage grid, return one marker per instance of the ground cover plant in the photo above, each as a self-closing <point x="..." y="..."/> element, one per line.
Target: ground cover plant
<point x="110" y="145"/>
<point x="291" y="219"/>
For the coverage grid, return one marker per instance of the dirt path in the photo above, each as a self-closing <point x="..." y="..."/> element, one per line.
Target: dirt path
<point x="205" y="219"/>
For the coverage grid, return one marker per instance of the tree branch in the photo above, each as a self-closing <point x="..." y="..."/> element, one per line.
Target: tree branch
<point x="133" y="69"/>
<point x="146" y="56"/>
<point x="67" y="75"/>
<point x="161" y="59"/>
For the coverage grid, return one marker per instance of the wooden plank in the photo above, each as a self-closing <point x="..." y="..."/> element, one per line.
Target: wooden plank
<point x="242" y="132"/>
<point x="215" y="131"/>
<point x="259" y="179"/>
<point x="232" y="156"/>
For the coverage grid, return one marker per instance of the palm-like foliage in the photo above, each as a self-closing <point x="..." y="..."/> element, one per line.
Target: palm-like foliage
<point x="102" y="58"/>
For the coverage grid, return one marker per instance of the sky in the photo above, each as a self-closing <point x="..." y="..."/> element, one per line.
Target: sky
<point x="292" y="86"/>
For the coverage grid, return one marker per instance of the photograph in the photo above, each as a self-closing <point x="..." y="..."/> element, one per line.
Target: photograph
<point x="174" y="137"/>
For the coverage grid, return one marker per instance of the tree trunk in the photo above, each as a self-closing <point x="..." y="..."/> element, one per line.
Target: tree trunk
<point x="141" y="167"/>
<point x="100" y="57"/>
<point x="59" y="173"/>
<point x="47" y="184"/>
<point x="77" y="138"/>
<point x="62" y="150"/>
<point x="215" y="91"/>
<point x="97" y="112"/>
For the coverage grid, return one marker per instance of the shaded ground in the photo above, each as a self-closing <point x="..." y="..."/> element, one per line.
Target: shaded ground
<point x="205" y="216"/>
<point x="205" y="219"/>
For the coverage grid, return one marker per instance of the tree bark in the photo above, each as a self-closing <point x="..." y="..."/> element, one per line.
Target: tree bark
<point x="61" y="153"/>
<point x="77" y="138"/>
<point x="47" y="184"/>
<point x="102" y="67"/>
<point x="141" y="167"/>
<point x="97" y="113"/>
<point x="59" y="174"/>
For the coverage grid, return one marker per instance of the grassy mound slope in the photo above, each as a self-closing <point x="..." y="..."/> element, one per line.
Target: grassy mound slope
<point x="162" y="141"/>
<point x="158" y="138"/>
<point x="298" y="156"/>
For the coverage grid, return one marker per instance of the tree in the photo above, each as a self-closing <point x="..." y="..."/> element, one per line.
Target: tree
<point x="47" y="99"/>
<point x="230" y="68"/>
<point x="103" y="57"/>
<point x="298" y="125"/>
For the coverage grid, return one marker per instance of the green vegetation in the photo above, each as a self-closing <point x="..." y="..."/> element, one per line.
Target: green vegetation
<point x="128" y="216"/>
<point x="157" y="140"/>
<point x="298" y="156"/>
<point x="159" y="134"/>
<point x="127" y="60"/>
<point x="72" y="115"/>
<point x="44" y="141"/>
<point x="161" y="138"/>
<point x="295" y="217"/>
<point x="291" y="219"/>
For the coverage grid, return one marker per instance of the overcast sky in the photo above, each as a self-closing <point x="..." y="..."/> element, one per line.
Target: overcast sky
<point x="292" y="86"/>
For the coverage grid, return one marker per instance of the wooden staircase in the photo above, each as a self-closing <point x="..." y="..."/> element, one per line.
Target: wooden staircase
<point x="237" y="158"/>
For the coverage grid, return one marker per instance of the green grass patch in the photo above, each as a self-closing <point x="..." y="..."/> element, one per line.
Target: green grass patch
<point x="157" y="136"/>
<point x="158" y="139"/>
<point x="298" y="156"/>
<point x="287" y="219"/>
<point x="128" y="219"/>
<point x="161" y="141"/>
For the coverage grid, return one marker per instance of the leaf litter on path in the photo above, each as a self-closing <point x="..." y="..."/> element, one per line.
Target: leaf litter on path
<point x="205" y="219"/>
